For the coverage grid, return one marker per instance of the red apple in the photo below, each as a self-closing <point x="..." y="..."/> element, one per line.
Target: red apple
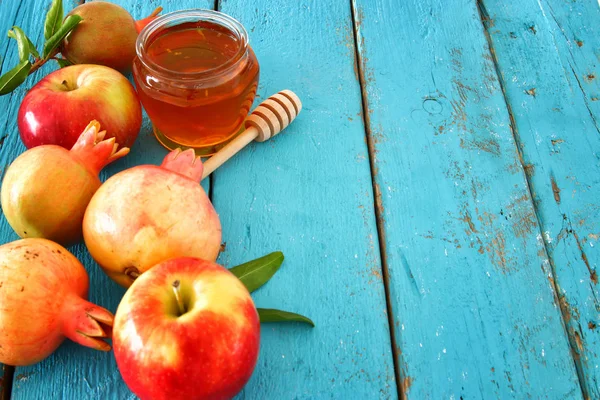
<point x="186" y="329"/>
<point x="59" y="107"/>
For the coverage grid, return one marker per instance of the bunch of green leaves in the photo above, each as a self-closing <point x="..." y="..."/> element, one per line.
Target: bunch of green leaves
<point x="256" y="273"/>
<point x="56" y="28"/>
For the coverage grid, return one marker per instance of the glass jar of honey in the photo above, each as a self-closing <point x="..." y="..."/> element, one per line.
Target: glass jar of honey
<point x="196" y="77"/>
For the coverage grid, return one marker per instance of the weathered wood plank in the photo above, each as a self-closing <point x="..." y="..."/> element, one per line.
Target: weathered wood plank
<point x="547" y="53"/>
<point x="74" y="372"/>
<point x="14" y="13"/>
<point x="474" y="308"/>
<point x="8" y="14"/>
<point x="308" y="193"/>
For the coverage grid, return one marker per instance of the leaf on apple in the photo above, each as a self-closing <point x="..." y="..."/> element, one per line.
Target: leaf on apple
<point x="272" y="315"/>
<point x="13" y="78"/>
<point x="23" y="42"/>
<point x="53" y="19"/>
<point x="52" y="44"/>
<point x="256" y="273"/>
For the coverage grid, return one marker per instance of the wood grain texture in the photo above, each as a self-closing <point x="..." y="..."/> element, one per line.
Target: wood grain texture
<point x="547" y="52"/>
<point x="474" y="307"/>
<point x="308" y="193"/>
<point x="15" y="13"/>
<point x="269" y="197"/>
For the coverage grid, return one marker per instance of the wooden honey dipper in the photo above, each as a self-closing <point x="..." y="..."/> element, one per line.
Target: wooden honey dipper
<point x="268" y="119"/>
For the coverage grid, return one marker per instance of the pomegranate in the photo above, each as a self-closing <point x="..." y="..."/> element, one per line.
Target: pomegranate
<point x="148" y="214"/>
<point x="43" y="292"/>
<point x="47" y="188"/>
<point x="106" y="36"/>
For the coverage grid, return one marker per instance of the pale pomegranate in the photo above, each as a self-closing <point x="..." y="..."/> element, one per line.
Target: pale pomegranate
<point x="148" y="214"/>
<point x="105" y="36"/>
<point x="43" y="292"/>
<point x="47" y="188"/>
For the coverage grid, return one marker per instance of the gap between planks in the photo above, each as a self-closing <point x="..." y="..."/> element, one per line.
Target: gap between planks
<point x="6" y="381"/>
<point x="377" y="204"/>
<point x="485" y="20"/>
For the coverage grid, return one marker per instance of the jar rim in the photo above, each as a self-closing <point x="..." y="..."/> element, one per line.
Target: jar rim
<point x="218" y="17"/>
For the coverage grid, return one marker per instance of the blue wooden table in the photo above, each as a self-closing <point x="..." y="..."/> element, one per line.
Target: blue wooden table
<point x="438" y="200"/>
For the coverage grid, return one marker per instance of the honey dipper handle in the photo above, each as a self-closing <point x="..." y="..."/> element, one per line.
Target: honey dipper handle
<point x="268" y="119"/>
<point x="230" y="149"/>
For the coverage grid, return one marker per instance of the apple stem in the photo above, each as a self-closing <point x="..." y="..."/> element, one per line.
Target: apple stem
<point x="67" y="86"/>
<point x="178" y="297"/>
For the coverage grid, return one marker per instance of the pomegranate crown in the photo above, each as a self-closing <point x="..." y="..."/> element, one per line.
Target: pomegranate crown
<point x="94" y="151"/>
<point x="87" y="324"/>
<point x="184" y="163"/>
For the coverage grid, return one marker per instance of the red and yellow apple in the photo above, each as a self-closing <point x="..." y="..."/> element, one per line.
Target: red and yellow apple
<point x="59" y="107"/>
<point x="186" y="329"/>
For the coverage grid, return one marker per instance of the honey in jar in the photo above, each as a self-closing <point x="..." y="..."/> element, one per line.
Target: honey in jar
<point x="196" y="77"/>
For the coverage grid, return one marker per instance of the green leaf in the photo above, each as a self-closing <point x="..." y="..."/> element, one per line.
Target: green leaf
<point x="63" y="62"/>
<point x="256" y="273"/>
<point x="51" y="44"/>
<point x="32" y="49"/>
<point x="272" y="315"/>
<point x="13" y="78"/>
<point x="22" y="42"/>
<point x="53" y="19"/>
